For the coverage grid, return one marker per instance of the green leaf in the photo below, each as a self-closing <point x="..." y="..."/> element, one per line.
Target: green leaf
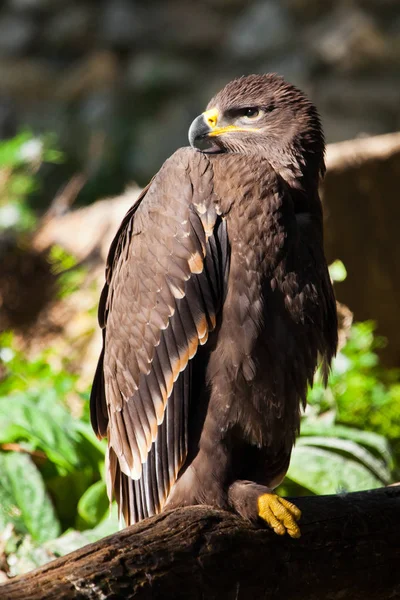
<point x="23" y="498"/>
<point x="375" y="442"/>
<point x="90" y="446"/>
<point x="10" y="150"/>
<point x="61" y="259"/>
<point x="45" y="424"/>
<point x="94" y="504"/>
<point x="351" y="449"/>
<point x="337" y="271"/>
<point x="21" y="184"/>
<point x="66" y="491"/>
<point x="325" y="472"/>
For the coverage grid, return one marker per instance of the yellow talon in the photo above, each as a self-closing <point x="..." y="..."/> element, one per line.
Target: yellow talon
<point x="280" y="514"/>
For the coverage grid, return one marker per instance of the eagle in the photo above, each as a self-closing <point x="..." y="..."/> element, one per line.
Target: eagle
<point x="216" y="311"/>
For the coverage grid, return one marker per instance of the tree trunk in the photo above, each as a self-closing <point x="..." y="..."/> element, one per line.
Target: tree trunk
<point x="349" y="549"/>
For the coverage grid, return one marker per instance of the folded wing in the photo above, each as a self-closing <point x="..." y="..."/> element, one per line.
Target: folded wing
<point x="165" y="284"/>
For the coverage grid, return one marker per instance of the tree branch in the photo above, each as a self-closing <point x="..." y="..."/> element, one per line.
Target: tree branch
<point x="349" y="550"/>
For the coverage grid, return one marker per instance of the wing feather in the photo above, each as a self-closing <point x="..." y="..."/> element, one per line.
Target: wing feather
<point x="165" y="282"/>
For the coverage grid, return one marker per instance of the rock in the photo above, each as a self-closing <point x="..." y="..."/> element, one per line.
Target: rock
<point x="16" y="34"/>
<point x="263" y="28"/>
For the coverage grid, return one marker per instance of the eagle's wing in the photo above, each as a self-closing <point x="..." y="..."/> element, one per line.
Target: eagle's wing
<point x="165" y="283"/>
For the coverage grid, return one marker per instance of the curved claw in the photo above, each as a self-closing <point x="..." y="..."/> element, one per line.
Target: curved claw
<point x="280" y="514"/>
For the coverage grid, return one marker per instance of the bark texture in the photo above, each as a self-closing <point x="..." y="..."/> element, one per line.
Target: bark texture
<point x="349" y="550"/>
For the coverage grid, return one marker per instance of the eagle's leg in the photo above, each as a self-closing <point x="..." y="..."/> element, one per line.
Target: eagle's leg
<point x="204" y="480"/>
<point x="253" y="501"/>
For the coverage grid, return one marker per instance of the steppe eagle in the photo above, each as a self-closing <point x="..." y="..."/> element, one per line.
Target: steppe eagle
<point x="216" y="310"/>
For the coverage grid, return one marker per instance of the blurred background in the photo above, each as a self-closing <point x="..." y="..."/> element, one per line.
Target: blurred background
<point x="94" y="96"/>
<point x="119" y="80"/>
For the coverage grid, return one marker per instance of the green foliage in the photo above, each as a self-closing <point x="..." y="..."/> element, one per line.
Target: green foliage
<point x="337" y="271"/>
<point x="329" y="459"/>
<point x="361" y="392"/>
<point x="352" y="427"/>
<point x="70" y="275"/>
<point x="20" y="159"/>
<point x="93" y="504"/>
<point x="33" y="412"/>
<point x="51" y="464"/>
<point x="24" y="501"/>
<point x="24" y="149"/>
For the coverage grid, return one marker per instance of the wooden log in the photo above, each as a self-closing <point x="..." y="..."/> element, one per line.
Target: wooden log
<point x="349" y="549"/>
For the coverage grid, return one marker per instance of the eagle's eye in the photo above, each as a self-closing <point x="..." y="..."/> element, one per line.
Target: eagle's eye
<point x="251" y="113"/>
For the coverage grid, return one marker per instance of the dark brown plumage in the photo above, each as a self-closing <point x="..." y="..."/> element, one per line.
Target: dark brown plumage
<point x="216" y="308"/>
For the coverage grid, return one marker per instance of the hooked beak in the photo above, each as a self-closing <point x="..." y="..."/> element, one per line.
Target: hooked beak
<point x="204" y="131"/>
<point x="200" y="130"/>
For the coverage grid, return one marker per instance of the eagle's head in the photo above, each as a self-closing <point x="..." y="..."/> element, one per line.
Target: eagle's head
<point x="263" y="114"/>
